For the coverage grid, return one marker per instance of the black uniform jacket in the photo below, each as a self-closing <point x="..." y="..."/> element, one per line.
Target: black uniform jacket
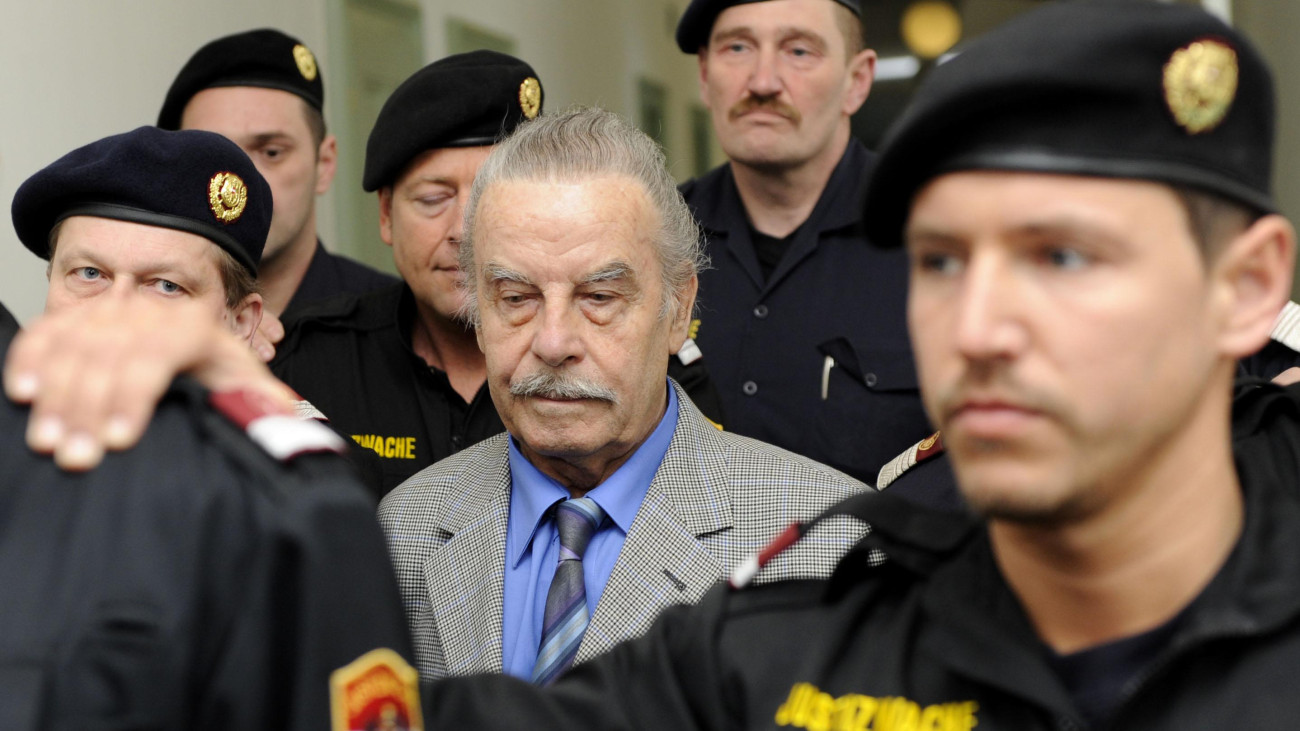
<point x="935" y="639"/>
<point x="817" y="359"/>
<point x="192" y="582"/>
<point x="351" y="357"/>
<point x="330" y="275"/>
<point x="8" y="325"/>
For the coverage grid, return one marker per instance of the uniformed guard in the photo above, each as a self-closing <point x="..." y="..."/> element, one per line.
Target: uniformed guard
<point x="399" y="370"/>
<point x="226" y="572"/>
<point x="176" y="216"/>
<point x="1084" y="196"/>
<point x="801" y="321"/>
<point x="264" y="90"/>
<point x="201" y="578"/>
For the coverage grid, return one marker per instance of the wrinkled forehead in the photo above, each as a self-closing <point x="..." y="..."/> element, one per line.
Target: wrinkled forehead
<point x="562" y="224"/>
<point x="539" y="205"/>
<point x="784" y="16"/>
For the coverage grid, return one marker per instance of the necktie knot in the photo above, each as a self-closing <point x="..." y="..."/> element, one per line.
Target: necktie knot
<point x="576" y="520"/>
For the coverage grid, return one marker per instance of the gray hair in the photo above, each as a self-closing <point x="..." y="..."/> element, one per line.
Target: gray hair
<point x="586" y="143"/>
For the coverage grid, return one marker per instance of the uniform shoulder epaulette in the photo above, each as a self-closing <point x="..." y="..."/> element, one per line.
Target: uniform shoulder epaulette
<point x="1286" y="329"/>
<point x="931" y="446"/>
<point x="701" y="194"/>
<point x="283" y="436"/>
<point x="689" y="352"/>
<point x="304" y="409"/>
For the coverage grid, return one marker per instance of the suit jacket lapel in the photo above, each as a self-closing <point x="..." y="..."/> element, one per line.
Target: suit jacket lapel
<point x="473" y="561"/>
<point x="662" y="562"/>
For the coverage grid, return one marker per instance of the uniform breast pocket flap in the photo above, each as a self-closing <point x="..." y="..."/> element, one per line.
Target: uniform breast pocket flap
<point x="117" y="667"/>
<point x="880" y="368"/>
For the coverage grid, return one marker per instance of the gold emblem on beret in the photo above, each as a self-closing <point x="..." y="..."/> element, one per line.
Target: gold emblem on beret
<point x="530" y="97"/>
<point x="1200" y="84"/>
<point x="302" y="56"/>
<point x="228" y="196"/>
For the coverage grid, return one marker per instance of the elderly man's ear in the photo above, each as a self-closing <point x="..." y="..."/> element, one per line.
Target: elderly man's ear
<point x="682" y="316"/>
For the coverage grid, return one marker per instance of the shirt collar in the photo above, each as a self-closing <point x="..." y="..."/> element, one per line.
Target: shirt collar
<point x="532" y="493"/>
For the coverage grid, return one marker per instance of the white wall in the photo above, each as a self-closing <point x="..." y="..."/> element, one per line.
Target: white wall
<point x="588" y="52"/>
<point x="72" y="72"/>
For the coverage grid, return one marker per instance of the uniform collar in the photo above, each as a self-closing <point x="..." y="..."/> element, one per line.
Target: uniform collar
<point x="405" y="317"/>
<point x="720" y="210"/>
<point x="307" y="287"/>
<point x="532" y="493"/>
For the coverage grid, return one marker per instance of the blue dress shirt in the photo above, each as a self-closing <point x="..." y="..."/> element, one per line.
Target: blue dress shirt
<point x="533" y="544"/>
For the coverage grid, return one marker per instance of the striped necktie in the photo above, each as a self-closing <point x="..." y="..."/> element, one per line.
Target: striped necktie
<point x="565" y="619"/>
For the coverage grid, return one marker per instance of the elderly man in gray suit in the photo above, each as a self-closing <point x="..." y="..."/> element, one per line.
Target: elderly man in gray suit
<point x="611" y="497"/>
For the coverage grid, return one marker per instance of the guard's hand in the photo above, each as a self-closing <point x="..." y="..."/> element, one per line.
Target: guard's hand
<point x="270" y="331"/>
<point x="94" y="373"/>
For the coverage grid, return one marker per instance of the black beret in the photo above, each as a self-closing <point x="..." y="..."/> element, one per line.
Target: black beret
<point x="192" y="181"/>
<point x="265" y="58"/>
<point x="697" y="22"/>
<point x="1140" y="90"/>
<point x="466" y="100"/>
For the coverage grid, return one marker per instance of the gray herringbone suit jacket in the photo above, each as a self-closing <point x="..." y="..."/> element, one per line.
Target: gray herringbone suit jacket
<point x="716" y="499"/>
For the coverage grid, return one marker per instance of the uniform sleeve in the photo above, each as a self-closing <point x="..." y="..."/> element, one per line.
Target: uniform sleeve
<point x="666" y="679"/>
<point x="319" y="593"/>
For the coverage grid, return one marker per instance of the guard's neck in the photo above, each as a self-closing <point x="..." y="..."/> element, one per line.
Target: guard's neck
<point x="779" y="199"/>
<point x="279" y="276"/>
<point x="1162" y="533"/>
<point x="449" y="345"/>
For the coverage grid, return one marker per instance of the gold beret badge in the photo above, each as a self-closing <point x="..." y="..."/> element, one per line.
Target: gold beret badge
<point x="1200" y="84"/>
<point x="228" y="196"/>
<point x="530" y="97"/>
<point x="302" y="56"/>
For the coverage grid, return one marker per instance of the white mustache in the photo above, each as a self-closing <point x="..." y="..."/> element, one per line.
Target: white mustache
<point x="551" y="384"/>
